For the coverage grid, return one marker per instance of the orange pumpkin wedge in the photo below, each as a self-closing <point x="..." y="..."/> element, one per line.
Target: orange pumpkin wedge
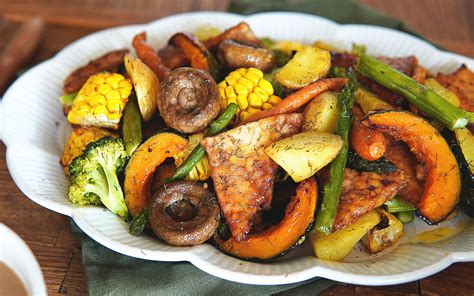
<point x="280" y="238"/>
<point x="143" y="163"/>
<point x="443" y="180"/>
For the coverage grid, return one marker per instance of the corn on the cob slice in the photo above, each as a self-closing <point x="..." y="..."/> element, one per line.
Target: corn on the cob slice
<point x="100" y="101"/>
<point x="249" y="90"/>
<point x="201" y="170"/>
<point x="77" y="142"/>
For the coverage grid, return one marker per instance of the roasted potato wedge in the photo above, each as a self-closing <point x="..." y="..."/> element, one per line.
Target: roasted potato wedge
<point x="307" y="65"/>
<point x="370" y="102"/>
<point x="385" y="234"/>
<point x="321" y="113"/>
<point x="146" y="85"/>
<point x="302" y="155"/>
<point x="337" y="245"/>
<point x="443" y="92"/>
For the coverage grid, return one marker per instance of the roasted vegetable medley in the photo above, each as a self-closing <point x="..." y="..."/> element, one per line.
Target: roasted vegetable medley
<point x="252" y="144"/>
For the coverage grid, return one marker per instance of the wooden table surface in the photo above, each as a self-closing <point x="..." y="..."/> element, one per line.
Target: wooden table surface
<point x="448" y="23"/>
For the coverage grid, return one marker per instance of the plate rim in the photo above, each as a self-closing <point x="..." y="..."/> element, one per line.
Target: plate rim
<point x="315" y="271"/>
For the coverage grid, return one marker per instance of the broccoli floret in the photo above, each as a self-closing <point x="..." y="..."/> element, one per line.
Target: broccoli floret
<point x="94" y="173"/>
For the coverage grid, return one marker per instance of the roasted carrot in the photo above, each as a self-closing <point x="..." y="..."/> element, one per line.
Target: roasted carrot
<point x="299" y="98"/>
<point x="369" y="144"/>
<point x="148" y="55"/>
<point x="241" y="33"/>
<point x="193" y="49"/>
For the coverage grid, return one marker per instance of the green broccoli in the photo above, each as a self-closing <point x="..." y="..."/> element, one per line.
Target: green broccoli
<point x="94" y="173"/>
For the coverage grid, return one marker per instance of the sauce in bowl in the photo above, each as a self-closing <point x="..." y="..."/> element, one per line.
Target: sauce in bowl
<point x="10" y="283"/>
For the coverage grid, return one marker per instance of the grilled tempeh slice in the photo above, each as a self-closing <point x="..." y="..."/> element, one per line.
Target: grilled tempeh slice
<point x="243" y="174"/>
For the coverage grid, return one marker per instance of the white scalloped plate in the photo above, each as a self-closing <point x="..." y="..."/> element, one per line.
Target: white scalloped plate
<point x="33" y="128"/>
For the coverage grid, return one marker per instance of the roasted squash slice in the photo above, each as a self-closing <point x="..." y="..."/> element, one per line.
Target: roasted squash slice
<point x="196" y="53"/>
<point x="281" y="238"/>
<point x="142" y="165"/>
<point x="443" y="180"/>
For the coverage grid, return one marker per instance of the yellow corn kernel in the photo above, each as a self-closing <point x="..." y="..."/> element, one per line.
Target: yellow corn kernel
<point x="247" y="83"/>
<point x="267" y="86"/>
<point x="244" y="115"/>
<point x="256" y="71"/>
<point x="242" y="71"/>
<point x="241" y="89"/>
<point x="252" y="111"/>
<point x="222" y="84"/>
<point x="124" y="92"/>
<point x="73" y="117"/>
<point x="125" y="84"/>
<point x="252" y="76"/>
<point x="221" y="91"/>
<point x="254" y="100"/>
<point x="261" y="93"/>
<point x="242" y="102"/>
<point x="266" y="106"/>
<point x="100" y="110"/>
<point x="232" y="100"/>
<point x="113" y="95"/>
<point x="114" y="116"/>
<point x="235" y="74"/>
<point x="114" y="105"/>
<point x="230" y="93"/>
<point x="104" y="88"/>
<point x="114" y="80"/>
<point x="230" y="80"/>
<point x="83" y="111"/>
<point x="274" y="100"/>
<point x="98" y="79"/>
<point x="97" y="99"/>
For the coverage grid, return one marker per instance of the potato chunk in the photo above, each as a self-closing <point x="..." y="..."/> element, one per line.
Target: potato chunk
<point x="337" y="245"/>
<point x="302" y="155"/>
<point x="307" y="65"/>
<point x="383" y="235"/>
<point x="321" y="113"/>
<point x="146" y="85"/>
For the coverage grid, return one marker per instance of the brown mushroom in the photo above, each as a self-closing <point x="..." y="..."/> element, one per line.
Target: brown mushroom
<point x="236" y="55"/>
<point x="188" y="99"/>
<point x="183" y="213"/>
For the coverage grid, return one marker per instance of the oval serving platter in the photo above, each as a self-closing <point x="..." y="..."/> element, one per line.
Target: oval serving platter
<point x="33" y="128"/>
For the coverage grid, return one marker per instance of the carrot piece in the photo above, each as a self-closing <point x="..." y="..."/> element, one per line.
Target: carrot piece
<point x="148" y="55"/>
<point x="241" y="33"/>
<point x="299" y="98"/>
<point x="192" y="49"/>
<point x="369" y="144"/>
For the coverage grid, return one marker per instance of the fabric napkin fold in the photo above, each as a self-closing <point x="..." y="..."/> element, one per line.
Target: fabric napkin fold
<point x="111" y="273"/>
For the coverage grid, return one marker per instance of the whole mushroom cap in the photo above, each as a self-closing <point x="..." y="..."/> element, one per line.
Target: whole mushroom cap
<point x="188" y="100"/>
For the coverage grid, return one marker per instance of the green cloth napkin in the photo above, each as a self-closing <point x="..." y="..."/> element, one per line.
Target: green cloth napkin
<point x="110" y="273"/>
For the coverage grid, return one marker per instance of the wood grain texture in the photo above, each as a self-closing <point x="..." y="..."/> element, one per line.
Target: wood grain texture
<point x="448" y="23"/>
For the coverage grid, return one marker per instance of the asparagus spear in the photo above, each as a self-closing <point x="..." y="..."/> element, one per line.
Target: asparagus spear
<point x="421" y="96"/>
<point x="332" y="187"/>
